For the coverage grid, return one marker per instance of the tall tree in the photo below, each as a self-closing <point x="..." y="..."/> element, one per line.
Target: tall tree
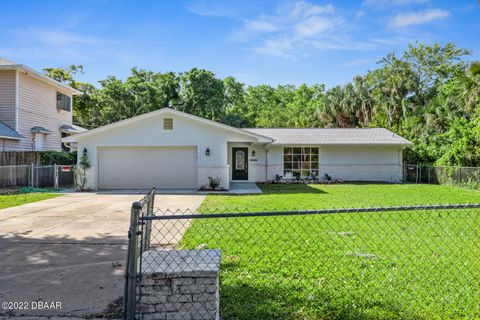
<point x="202" y="94"/>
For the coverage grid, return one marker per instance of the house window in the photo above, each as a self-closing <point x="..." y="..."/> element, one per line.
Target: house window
<point x="300" y="162"/>
<point x="64" y="102"/>
<point x="167" y="124"/>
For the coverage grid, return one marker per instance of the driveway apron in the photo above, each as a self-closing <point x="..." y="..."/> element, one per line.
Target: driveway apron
<point x="70" y="251"/>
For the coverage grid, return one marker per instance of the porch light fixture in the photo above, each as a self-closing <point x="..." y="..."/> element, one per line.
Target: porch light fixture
<point x="207" y="152"/>
<point x="253" y="153"/>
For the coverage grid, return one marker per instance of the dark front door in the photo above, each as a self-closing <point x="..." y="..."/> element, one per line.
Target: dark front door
<point x="239" y="163"/>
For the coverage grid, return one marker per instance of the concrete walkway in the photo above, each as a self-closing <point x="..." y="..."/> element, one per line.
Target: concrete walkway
<point x="244" y="188"/>
<point x="70" y="249"/>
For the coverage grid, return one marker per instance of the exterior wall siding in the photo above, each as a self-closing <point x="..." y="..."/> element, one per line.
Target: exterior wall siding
<point x="186" y="132"/>
<point x="7" y="97"/>
<point x="350" y="163"/>
<point x="38" y="107"/>
<point x="214" y="172"/>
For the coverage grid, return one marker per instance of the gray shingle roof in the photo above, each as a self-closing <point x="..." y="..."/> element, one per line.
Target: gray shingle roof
<point x="38" y="129"/>
<point x="373" y="136"/>
<point x="7" y="132"/>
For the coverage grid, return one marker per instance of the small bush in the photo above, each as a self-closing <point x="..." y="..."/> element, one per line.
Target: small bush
<point x="327" y="177"/>
<point x="213" y="182"/>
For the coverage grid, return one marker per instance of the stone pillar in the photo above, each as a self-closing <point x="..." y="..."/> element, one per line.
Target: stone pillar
<point x="180" y="284"/>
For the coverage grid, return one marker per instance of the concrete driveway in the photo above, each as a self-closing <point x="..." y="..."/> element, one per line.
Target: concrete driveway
<point x="70" y="250"/>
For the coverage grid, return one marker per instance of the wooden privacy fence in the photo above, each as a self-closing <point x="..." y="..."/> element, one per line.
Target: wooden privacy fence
<point x="37" y="176"/>
<point x="19" y="158"/>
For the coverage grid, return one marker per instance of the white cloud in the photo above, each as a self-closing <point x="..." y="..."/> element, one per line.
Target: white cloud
<point x="402" y="20"/>
<point x="49" y="43"/>
<point x="277" y="47"/>
<point x="55" y="37"/>
<point x="305" y="9"/>
<point x="210" y="9"/>
<point x="315" y="25"/>
<point x="260" y="25"/>
<point x="360" y="13"/>
<point x="293" y="30"/>
<point x="388" y="3"/>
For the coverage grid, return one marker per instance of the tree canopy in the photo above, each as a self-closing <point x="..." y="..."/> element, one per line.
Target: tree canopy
<point x="430" y="94"/>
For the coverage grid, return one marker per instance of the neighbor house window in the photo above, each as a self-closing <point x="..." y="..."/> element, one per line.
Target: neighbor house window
<point x="64" y="102"/>
<point x="167" y="124"/>
<point x="300" y="162"/>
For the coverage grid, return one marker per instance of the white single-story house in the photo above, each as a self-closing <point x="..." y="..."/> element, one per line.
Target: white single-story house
<point x="170" y="149"/>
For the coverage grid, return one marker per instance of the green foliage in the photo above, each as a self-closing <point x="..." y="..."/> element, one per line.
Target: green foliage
<point x="83" y="165"/>
<point x="213" y="182"/>
<point x="463" y="144"/>
<point x="420" y="94"/>
<point x="201" y="94"/>
<point x="58" y="157"/>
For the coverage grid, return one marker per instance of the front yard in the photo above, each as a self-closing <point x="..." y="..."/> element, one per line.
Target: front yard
<point x="11" y="200"/>
<point x="381" y="265"/>
<point x="300" y="196"/>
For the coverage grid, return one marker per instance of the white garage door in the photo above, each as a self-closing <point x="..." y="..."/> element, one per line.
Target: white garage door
<point x="146" y="167"/>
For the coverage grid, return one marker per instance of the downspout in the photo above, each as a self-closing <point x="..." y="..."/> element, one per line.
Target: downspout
<point x="16" y="100"/>
<point x="266" y="164"/>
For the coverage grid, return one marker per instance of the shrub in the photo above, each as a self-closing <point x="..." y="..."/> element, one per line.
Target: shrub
<point x="327" y="177"/>
<point x="58" y="157"/>
<point x="81" y="172"/>
<point x="213" y="182"/>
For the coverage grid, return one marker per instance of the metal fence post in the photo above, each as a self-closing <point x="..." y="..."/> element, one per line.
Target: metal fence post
<point x="460" y="176"/>
<point x="55" y="176"/>
<point x="129" y="297"/>
<point x="32" y="168"/>
<point x="148" y="226"/>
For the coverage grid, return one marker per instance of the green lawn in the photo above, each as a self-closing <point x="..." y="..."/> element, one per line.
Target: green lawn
<point x="342" y="196"/>
<point x="390" y="265"/>
<point x="12" y="200"/>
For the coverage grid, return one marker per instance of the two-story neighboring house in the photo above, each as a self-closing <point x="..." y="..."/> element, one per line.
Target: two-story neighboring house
<point x="35" y="110"/>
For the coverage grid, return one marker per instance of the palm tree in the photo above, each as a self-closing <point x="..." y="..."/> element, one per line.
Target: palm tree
<point x="364" y="98"/>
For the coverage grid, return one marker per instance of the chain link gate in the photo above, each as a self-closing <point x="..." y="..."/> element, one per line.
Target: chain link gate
<point x="138" y="241"/>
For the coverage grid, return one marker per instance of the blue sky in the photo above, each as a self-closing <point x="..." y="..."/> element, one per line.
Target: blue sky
<point x="273" y="42"/>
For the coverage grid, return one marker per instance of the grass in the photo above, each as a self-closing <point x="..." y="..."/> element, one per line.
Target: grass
<point x="13" y="200"/>
<point x="390" y="265"/>
<point x="277" y="196"/>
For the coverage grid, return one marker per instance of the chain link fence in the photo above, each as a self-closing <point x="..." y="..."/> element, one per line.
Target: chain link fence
<point x="37" y="176"/>
<point x="418" y="262"/>
<point x="465" y="177"/>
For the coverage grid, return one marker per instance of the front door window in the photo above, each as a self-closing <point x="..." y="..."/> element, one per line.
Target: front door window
<point x="239" y="160"/>
<point x="239" y="163"/>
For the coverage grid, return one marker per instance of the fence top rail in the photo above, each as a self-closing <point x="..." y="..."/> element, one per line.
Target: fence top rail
<point x="38" y="165"/>
<point x="147" y="197"/>
<point x="16" y="165"/>
<point x="434" y="166"/>
<point x="307" y="212"/>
